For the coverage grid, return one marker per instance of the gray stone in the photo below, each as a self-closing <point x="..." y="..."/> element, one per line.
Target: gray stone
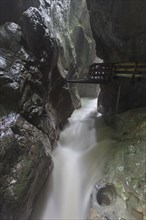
<point x="25" y="164"/>
<point x="30" y="83"/>
<point x="33" y="28"/>
<point x="124" y="171"/>
<point x="12" y="10"/>
<point x="121" y="95"/>
<point x="119" y="29"/>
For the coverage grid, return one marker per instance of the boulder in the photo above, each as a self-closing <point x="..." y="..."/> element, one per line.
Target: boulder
<point x="12" y="10"/>
<point x="25" y="164"/>
<point x="30" y="122"/>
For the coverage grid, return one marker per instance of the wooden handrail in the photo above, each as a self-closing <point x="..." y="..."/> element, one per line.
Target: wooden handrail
<point x="102" y="73"/>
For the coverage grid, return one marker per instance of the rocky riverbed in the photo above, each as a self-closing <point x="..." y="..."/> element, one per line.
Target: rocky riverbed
<point x="120" y="194"/>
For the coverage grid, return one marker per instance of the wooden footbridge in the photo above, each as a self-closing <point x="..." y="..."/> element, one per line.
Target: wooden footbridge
<point x="102" y="73"/>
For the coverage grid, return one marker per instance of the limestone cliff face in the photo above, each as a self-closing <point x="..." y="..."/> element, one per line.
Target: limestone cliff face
<point x="83" y="42"/>
<point x="72" y="29"/>
<point x="40" y="41"/>
<point x="119" y="30"/>
<point x="81" y="35"/>
<point x="35" y="103"/>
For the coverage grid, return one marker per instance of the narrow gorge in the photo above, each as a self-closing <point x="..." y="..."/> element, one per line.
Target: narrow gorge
<point x="72" y="150"/>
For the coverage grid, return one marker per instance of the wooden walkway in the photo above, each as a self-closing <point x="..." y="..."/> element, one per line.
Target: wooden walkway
<point x="102" y="73"/>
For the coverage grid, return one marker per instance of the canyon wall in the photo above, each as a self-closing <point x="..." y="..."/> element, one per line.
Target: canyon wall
<point x="41" y="42"/>
<point x="119" y="30"/>
<point x="35" y="103"/>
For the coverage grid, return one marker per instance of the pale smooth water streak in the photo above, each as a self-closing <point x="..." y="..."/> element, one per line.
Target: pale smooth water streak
<point x="78" y="163"/>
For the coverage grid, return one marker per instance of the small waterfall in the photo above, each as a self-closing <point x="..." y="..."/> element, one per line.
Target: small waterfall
<point x="78" y="163"/>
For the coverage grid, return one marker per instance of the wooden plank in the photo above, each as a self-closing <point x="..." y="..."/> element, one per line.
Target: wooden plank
<point x="90" y="81"/>
<point x="101" y="73"/>
<point x="129" y="72"/>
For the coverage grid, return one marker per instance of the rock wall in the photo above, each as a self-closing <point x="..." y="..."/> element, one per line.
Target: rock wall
<point x="35" y="103"/>
<point x="119" y="30"/>
<point x="40" y="42"/>
<point x="84" y="44"/>
<point x="120" y="194"/>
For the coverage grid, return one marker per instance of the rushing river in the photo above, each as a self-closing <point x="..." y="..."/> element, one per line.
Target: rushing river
<point x="79" y="161"/>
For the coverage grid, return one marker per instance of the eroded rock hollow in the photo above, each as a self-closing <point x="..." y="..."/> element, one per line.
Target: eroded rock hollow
<point x="41" y="43"/>
<point x="119" y="30"/>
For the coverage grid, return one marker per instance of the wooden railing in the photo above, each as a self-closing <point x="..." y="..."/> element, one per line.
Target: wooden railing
<point x="102" y="73"/>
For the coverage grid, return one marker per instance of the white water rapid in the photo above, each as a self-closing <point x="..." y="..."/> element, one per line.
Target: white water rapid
<point x="78" y="160"/>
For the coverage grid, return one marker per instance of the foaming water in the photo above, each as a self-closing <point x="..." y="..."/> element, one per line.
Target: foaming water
<point x="78" y="163"/>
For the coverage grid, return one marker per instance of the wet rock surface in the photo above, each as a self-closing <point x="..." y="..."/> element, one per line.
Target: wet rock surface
<point x="119" y="30"/>
<point x="25" y="164"/>
<point x="120" y="194"/>
<point x="84" y="44"/>
<point x="119" y="95"/>
<point x="35" y="103"/>
<point x="27" y="80"/>
<point x="12" y="10"/>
